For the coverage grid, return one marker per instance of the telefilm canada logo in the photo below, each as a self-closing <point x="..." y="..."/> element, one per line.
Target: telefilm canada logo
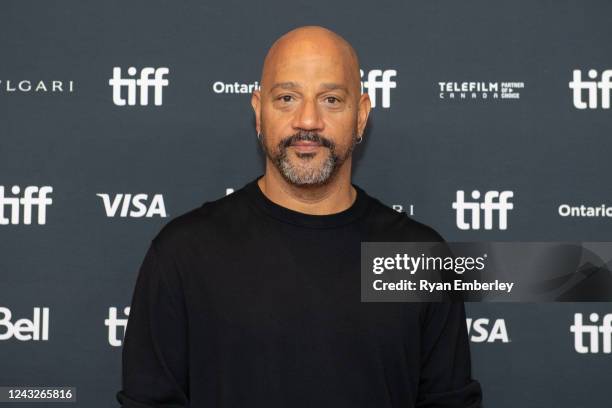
<point x="138" y="86"/>
<point x="378" y="83"/>
<point x="480" y="90"/>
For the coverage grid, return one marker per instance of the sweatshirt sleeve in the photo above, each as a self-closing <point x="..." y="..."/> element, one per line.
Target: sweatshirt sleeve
<point x="154" y="355"/>
<point x="445" y="380"/>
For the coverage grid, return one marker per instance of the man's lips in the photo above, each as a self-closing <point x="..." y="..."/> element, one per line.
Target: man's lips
<point x="306" y="145"/>
<point x="305" y="142"/>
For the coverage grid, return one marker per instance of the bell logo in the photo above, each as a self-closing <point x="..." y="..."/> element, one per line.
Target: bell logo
<point x="593" y="333"/>
<point x="480" y="330"/>
<point x="143" y="83"/>
<point x="36" y="329"/>
<point x="133" y="206"/>
<point x="494" y="201"/>
<point x="385" y="85"/>
<point x="114" y="324"/>
<point x="579" y="86"/>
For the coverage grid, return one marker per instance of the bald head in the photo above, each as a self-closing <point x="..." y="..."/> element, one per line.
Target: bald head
<point x="309" y="43"/>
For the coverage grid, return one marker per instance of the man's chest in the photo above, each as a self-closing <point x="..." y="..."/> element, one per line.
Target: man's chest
<point x="306" y="292"/>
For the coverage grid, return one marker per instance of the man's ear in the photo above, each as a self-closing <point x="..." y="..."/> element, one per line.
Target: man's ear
<point x="256" y="104"/>
<point x="363" y="112"/>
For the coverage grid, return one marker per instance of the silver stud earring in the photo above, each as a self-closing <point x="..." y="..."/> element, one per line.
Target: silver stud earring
<point x="359" y="139"/>
<point x="259" y="136"/>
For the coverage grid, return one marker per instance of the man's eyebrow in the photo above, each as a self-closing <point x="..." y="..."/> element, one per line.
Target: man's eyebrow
<point x="285" y="85"/>
<point x="330" y="86"/>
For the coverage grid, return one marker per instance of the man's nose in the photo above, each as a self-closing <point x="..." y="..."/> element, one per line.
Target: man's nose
<point x="308" y="116"/>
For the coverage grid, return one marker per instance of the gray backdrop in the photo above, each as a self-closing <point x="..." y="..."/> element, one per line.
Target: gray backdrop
<point x="422" y="148"/>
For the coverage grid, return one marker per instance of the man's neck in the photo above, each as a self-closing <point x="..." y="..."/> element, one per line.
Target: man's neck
<point x="331" y="198"/>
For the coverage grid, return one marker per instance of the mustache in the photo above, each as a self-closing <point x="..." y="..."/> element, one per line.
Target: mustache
<point x="309" y="137"/>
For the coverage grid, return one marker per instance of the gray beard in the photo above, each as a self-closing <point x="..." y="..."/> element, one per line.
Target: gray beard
<point x="301" y="174"/>
<point x="298" y="174"/>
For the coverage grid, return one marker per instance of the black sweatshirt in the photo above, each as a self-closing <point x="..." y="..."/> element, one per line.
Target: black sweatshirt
<point x="244" y="303"/>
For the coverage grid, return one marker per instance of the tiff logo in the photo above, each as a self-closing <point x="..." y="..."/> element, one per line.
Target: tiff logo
<point x="385" y="85"/>
<point x="592" y="333"/>
<point x="494" y="201"/>
<point x="32" y="197"/>
<point x="578" y="86"/>
<point x="114" y="323"/>
<point x="143" y="83"/>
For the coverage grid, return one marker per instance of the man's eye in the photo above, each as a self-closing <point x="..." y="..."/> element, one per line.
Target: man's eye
<point x="286" y="98"/>
<point x="332" y="99"/>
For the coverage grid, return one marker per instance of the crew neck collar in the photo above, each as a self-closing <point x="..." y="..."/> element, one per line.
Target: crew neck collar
<point x="356" y="210"/>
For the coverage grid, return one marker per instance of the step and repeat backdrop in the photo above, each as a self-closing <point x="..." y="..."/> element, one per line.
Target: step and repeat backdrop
<point x="116" y="117"/>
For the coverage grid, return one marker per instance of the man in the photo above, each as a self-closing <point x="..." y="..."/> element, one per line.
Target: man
<point x="253" y="300"/>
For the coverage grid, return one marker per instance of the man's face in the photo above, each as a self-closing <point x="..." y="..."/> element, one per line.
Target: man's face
<point x="308" y="114"/>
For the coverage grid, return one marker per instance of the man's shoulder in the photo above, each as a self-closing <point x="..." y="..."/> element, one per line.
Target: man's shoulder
<point x="209" y="221"/>
<point x="387" y="224"/>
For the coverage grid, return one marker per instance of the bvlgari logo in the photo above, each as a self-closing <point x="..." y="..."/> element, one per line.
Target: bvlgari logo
<point x="36" y="86"/>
